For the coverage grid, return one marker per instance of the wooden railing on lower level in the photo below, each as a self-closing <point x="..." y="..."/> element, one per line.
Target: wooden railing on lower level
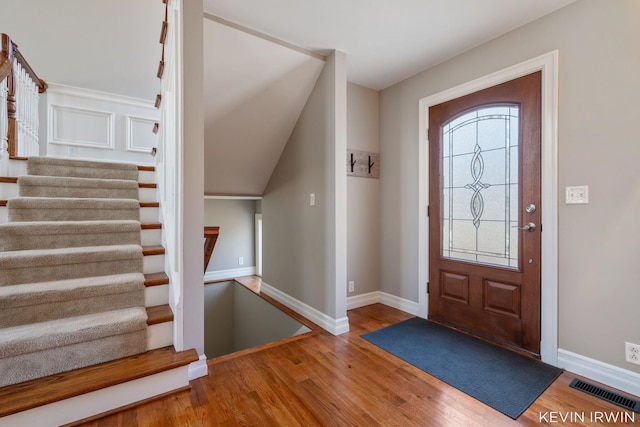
<point x="20" y="89"/>
<point x="210" y="239"/>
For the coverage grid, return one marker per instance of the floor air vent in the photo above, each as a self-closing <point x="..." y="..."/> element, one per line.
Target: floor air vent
<point x="609" y="396"/>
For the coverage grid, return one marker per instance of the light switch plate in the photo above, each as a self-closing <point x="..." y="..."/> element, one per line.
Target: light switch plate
<point x="577" y="195"/>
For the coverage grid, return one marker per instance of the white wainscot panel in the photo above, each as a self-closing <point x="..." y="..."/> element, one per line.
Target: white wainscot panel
<point x="82" y="127"/>
<point x="140" y="137"/>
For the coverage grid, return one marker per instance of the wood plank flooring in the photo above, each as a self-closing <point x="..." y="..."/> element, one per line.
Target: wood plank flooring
<point x="323" y="380"/>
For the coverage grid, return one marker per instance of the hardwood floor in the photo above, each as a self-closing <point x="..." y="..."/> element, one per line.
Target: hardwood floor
<point x="323" y="380"/>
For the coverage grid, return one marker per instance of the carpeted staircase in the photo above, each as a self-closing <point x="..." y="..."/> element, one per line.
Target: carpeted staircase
<point x="71" y="269"/>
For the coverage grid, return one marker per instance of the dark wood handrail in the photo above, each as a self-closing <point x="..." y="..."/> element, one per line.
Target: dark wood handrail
<point x="10" y="52"/>
<point x="6" y="57"/>
<point x="211" y="237"/>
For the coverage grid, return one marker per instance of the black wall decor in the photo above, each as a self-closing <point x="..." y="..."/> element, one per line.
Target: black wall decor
<point x="363" y="164"/>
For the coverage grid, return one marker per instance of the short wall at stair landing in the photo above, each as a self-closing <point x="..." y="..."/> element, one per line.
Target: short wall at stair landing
<point x="87" y="124"/>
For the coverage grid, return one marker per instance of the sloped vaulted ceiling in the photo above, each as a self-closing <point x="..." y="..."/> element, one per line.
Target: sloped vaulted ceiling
<point x="255" y="90"/>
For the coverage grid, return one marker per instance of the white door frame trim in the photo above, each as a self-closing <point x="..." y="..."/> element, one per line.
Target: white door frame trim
<point x="548" y="64"/>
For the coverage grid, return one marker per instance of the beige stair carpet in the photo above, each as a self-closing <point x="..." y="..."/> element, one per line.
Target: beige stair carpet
<point x="44" y="301"/>
<point x="71" y="278"/>
<point x="55" y="186"/>
<point x="69" y="209"/>
<point x="66" y="234"/>
<point x="52" y="166"/>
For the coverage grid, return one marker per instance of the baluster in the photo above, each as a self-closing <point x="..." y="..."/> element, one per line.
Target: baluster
<point x="4" y="129"/>
<point x="19" y="109"/>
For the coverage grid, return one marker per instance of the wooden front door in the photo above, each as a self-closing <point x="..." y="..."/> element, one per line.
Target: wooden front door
<point x="484" y="213"/>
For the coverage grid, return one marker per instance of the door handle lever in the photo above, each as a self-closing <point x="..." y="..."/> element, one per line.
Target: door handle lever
<point x="530" y="227"/>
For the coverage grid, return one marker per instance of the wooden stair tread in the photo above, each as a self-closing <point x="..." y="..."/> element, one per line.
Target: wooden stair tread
<point x="156" y="279"/>
<point x="151" y="226"/>
<point x="153" y="250"/>
<point x="9" y="179"/>
<point x="147" y="185"/>
<point x="3" y="203"/>
<point x="17" y="158"/>
<point x="159" y="314"/>
<point x="149" y="204"/>
<point x="146" y="168"/>
<point x="42" y="391"/>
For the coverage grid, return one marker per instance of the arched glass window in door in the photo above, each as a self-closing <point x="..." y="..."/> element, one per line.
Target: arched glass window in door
<point x="480" y="153"/>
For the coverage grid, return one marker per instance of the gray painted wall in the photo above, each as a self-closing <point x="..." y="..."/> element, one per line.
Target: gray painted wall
<point x="304" y="247"/>
<point x="219" y="325"/>
<point x="363" y="194"/>
<point x="236" y="219"/>
<point x="193" y="170"/>
<point x="598" y="146"/>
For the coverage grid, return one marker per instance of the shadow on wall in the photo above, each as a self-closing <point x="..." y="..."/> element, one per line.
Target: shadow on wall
<point x="237" y="319"/>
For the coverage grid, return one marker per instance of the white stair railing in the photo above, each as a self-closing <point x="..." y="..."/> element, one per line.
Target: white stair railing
<point x="19" y="97"/>
<point x="27" y="120"/>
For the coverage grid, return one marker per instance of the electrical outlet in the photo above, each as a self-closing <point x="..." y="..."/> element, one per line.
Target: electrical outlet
<point x="352" y="286"/>
<point x="632" y="353"/>
<point x="240" y="261"/>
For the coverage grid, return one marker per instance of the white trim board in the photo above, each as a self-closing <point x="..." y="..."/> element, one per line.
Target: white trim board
<point x="199" y="368"/>
<point x="610" y="375"/>
<point x="548" y="64"/>
<point x="231" y="274"/>
<point x="100" y="401"/>
<point x="378" y="297"/>
<point x="331" y="325"/>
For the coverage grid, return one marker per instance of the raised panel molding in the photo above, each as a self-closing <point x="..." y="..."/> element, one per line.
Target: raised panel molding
<point x="501" y="298"/>
<point x="140" y="137"/>
<point x="93" y="125"/>
<point x="82" y="127"/>
<point x="454" y="287"/>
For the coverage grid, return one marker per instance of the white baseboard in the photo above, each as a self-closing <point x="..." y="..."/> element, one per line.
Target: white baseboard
<point x="198" y="369"/>
<point x="229" y="274"/>
<point x="613" y="376"/>
<point x="402" y="304"/>
<point x="362" y="300"/>
<point x="331" y="325"/>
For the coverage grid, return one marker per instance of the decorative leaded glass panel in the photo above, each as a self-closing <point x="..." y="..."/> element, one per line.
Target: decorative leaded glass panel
<point x="480" y="186"/>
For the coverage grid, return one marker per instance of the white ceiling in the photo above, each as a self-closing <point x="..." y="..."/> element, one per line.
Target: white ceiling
<point x="105" y="45"/>
<point x="255" y="90"/>
<point x="385" y="41"/>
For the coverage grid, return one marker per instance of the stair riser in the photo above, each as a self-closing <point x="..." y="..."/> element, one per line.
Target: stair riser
<point x="26" y="242"/>
<point x="146" y="176"/>
<point x="16" y="316"/>
<point x="79" y="192"/>
<point x="148" y="195"/>
<point x="151" y="237"/>
<point x="16" y="215"/>
<point x="44" y="273"/>
<point x="156" y="295"/>
<point x="94" y="170"/>
<point x="153" y="264"/>
<point x="19" y="167"/>
<point x="8" y="190"/>
<point x="159" y="335"/>
<point x="15" y="369"/>
<point x="147" y="215"/>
